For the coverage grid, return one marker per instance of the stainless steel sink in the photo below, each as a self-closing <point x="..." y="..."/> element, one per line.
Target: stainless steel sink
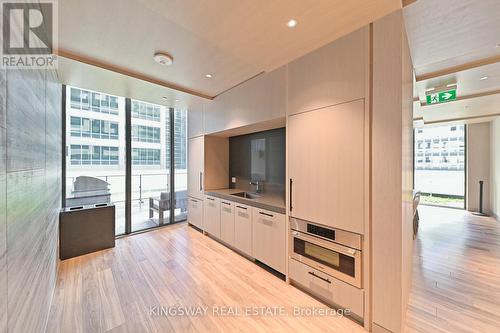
<point x="246" y="195"/>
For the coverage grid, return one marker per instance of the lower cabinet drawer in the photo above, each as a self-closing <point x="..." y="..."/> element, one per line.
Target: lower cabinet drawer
<point x="327" y="288"/>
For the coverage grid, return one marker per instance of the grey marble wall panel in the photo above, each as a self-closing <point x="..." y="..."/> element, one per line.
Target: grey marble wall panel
<point x="33" y="192"/>
<point x="3" y="98"/>
<point x="25" y="120"/>
<point x="3" y="211"/>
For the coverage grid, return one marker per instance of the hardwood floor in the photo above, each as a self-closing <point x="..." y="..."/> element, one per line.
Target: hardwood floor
<point x="456" y="273"/>
<point x="120" y="290"/>
<point x="456" y="284"/>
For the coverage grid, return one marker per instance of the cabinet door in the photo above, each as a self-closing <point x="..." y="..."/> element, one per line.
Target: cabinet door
<point x="196" y="167"/>
<point x="269" y="238"/>
<point x="326" y="166"/>
<point x="243" y="228"/>
<point x="333" y="74"/>
<point x="211" y="218"/>
<point x="195" y="121"/>
<point x="195" y="212"/>
<point x="227" y="222"/>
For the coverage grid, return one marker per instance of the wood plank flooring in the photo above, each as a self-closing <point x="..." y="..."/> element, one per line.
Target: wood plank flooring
<point x="456" y="274"/>
<point x="456" y="284"/>
<point x="120" y="290"/>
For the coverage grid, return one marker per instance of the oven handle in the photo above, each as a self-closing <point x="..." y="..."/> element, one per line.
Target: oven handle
<point x="329" y="245"/>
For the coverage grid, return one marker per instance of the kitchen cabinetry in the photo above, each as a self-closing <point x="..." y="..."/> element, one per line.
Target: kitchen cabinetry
<point x="334" y="74"/>
<point x="269" y="238"/>
<point x="211" y="216"/>
<point x="326" y="166"/>
<point x="258" y="100"/>
<point x="196" y="167"/>
<point x="227" y="222"/>
<point x="327" y="287"/>
<point x="195" y="212"/>
<point x="243" y="228"/>
<point x="195" y="121"/>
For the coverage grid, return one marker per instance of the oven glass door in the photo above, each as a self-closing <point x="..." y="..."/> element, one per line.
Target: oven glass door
<point x="325" y="256"/>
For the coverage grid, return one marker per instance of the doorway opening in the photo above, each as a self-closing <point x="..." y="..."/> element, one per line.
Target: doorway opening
<point x="440" y="165"/>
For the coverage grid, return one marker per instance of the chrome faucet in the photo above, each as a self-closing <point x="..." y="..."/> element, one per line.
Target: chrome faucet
<point x="258" y="186"/>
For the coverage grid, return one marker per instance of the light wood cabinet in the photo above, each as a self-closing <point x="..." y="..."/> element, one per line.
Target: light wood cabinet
<point x="269" y="238"/>
<point x="227" y="221"/>
<point x="258" y="100"/>
<point x="327" y="287"/>
<point x="334" y="74"/>
<point x="196" y="149"/>
<point x="211" y="216"/>
<point x="215" y="115"/>
<point x="195" y="121"/>
<point x="326" y="166"/>
<point x="243" y="228"/>
<point x="195" y="212"/>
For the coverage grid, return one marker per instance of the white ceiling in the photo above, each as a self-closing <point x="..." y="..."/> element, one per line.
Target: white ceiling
<point x="456" y="42"/>
<point x="233" y="40"/>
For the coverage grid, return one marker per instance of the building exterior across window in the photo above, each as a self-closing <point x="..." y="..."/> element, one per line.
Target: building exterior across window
<point x="440" y="148"/>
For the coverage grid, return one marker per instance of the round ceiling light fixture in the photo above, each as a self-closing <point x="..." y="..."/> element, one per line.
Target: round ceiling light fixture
<point x="163" y="58"/>
<point x="208" y="76"/>
<point x="292" y="23"/>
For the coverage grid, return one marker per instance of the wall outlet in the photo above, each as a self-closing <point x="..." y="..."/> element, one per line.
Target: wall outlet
<point x="233" y="180"/>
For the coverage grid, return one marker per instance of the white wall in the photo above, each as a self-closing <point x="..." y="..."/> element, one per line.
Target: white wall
<point x="478" y="165"/>
<point x="495" y="167"/>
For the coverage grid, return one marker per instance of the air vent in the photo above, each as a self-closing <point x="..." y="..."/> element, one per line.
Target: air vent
<point x="320" y="231"/>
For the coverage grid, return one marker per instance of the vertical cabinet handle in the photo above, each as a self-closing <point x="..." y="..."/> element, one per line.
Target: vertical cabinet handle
<point x="290" y="197"/>
<point x="201" y="181"/>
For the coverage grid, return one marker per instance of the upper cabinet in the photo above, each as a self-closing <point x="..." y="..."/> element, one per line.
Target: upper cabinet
<point x="260" y="99"/>
<point x="214" y="119"/>
<point x="326" y="164"/>
<point x="195" y="121"/>
<point x="334" y="74"/>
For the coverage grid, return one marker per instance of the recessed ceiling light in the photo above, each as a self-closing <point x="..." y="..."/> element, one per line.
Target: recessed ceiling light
<point x="483" y="78"/>
<point x="177" y="100"/>
<point x="163" y="59"/>
<point x="291" y="23"/>
<point x="209" y="76"/>
<point x="164" y="98"/>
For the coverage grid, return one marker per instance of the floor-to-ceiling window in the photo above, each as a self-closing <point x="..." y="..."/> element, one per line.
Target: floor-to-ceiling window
<point x="96" y="162"/>
<point x="440" y="165"/>
<point x="95" y="150"/>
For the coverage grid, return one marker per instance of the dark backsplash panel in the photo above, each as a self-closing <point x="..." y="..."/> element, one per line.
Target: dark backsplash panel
<point x="258" y="157"/>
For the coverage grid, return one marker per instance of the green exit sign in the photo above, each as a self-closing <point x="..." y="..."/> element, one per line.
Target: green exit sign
<point x="442" y="97"/>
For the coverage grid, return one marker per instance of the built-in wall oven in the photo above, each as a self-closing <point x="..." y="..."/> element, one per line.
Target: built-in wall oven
<point x="332" y="251"/>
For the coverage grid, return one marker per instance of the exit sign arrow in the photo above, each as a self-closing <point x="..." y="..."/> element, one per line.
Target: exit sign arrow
<point x="442" y="97"/>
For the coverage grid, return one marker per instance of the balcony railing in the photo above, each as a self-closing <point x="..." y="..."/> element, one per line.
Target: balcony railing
<point x="144" y="185"/>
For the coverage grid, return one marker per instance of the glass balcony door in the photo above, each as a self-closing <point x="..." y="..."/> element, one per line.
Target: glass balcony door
<point x="151" y="202"/>
<point x="180" y="164"/>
